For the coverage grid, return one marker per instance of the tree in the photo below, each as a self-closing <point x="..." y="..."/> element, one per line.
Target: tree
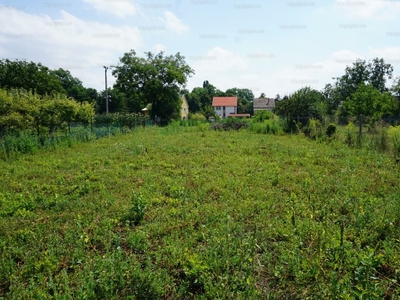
<point x="370" y="102"/>
<point x="117" y="102"/>
<point x="29" y="76"/>
<point x="262" y="96"/>
<point x="208" y="112"/>
<point x="22" y="110"/>
<point x="306" y="102"/>
<point x="155" y="79"/>
<point x="18" y="109"/>
<point x="379" y="72"/>
<point x="374" y="73"/>
<point x="200" y="99"/>
<point x="395" y="89"/>
<point x="245" y="99"/>
<point x="332" y="98"/>
<point x="73" y="87"/>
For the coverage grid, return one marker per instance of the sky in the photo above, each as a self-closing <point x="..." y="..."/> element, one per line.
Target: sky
<point x="272" y="47"/>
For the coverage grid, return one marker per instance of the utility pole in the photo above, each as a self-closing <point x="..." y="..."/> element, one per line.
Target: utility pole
<point x="105" y="73"/>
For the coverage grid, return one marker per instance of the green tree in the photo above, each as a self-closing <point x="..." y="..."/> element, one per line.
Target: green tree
<point x="85" y="113"/>
<point x="155" y="79"/>
<point x="374" y="73"/>
<point x="18" y="109"/>
<point x="306" y="102"/>
<point x="21" y="110"/>
<point x="370" y="102"/>
<point x="200" y="99"/>
<point x="208" y="112"/>
<point x="74" y="88"/>
<point x="395" y="89"/>
<point x="245" y="99"/>
<point x="29" y="76"/>
<point x="332" y="98"/>
<point x="117" y="102"/>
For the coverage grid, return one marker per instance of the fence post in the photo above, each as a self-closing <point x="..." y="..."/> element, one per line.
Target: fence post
<point x="360" y="125"/>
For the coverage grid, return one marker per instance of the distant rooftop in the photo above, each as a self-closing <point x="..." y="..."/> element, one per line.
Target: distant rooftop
<point x="262" y="103"/>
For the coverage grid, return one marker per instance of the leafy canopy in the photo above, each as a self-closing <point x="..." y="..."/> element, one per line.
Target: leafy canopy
<point x="155" y="79"/>
<point x="29" y="76"/>
<point x="369" y="102"/>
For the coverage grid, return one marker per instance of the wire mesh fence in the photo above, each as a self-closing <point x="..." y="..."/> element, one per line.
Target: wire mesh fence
<point x="29" y="141"/>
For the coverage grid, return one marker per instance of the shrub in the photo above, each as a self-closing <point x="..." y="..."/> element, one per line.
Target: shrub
<point x="262" y="115"/>
<point x="351" y="136"/>
<point x="137" y="209"/>
<point x="313" y="129"/>
<point x="231" y="124"/>
<point x="197" y="117"/>
<point x="331" y="130"/>
<point x="22" y="142"/>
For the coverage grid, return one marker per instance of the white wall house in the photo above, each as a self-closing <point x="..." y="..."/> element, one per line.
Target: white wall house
<point x="224" y="106"/>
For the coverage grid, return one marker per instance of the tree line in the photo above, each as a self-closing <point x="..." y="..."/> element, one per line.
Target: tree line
<point x="157" y="82"/>
<point x="362" y="90"/>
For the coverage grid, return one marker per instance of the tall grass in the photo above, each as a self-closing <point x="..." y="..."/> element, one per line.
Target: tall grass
<point x="25" y="142"/>
<point x="269" y="126"/>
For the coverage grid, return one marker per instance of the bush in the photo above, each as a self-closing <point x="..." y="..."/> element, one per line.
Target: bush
<point x="262" y="115"/>
<point x="313" y="129"/>
<point x="351" y="136"/>
<point x="197" y="117"/>
<point x="270" y="126"/>
<point x="23" y="142"/>
<point x="231" y="124"/>
<point x="330" y="130"/>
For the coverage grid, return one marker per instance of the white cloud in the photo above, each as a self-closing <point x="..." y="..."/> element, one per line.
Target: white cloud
<point x="173" y="23"/>
<point x="119" y="8"/>
<point x="224" y="69"/>
<point x="387" y="52"/>
<point x="264" y="72"/>
<point x="391" y="55"/>
<point x="67" y="42"/>
<point x="370" y="9"/>
<point x="159" y="47"/>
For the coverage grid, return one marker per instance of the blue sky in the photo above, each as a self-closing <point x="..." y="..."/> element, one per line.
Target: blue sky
<point x="272" y="47"/>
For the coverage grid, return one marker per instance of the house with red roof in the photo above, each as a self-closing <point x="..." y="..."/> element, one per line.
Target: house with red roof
<point x="224" y="106"/>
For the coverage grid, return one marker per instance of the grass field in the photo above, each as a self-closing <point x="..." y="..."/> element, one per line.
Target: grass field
<point x="195" y="214"/>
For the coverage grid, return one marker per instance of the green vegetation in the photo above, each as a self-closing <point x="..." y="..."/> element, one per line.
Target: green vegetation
<point x="183" y="212"/>
<point x="155" y="79"/>
<point x="21" y="110"/>
<point x="242" y="211"/>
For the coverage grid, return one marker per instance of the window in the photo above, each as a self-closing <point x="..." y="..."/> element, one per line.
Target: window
<point x="218" y="108"/>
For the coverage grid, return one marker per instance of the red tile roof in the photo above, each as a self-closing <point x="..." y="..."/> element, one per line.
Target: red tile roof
<point x="224" y="101"/>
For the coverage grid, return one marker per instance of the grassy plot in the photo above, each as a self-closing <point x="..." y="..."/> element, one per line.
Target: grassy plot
<point x="167" y="213"/>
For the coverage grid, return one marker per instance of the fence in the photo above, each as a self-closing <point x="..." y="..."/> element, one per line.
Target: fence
<point x="29" y="142"/>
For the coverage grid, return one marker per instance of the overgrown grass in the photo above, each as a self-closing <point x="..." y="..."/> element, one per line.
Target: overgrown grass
<point x="185" y="213"/>
<point x="25" y="142"/>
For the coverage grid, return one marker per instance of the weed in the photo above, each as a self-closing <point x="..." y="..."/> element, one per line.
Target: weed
<point x="137" y="209"/>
